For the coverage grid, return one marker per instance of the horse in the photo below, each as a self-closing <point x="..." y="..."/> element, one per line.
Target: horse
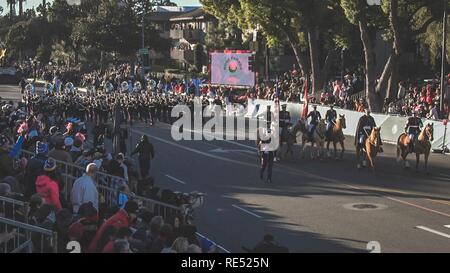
<point x="291" y="137"/>
<point x="285" y="138"/>
<point x="336" y="135"/>
<point x="318" y="137"/>
<point x="370" y="148"/>
<point x="422" y="146"/>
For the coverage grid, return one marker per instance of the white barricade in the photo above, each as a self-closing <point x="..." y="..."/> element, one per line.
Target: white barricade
<point x="391" y="126"/>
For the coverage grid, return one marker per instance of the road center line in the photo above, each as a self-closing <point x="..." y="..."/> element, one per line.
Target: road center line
<point x="206" y="238"/>
<point x="417" y="206"/>
<point x="175" y="179"/>
<point x="440" y="201"/>
<point x="434" y="231"/>
<point x="246" y="211"/>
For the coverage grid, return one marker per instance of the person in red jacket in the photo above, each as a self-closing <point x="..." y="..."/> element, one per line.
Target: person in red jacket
<point x="47" y="186"/>
<point x="123" y="218"/>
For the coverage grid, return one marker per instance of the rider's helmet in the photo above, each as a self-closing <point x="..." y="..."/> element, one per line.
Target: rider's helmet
<point x="315" y="107"/>
<point x="367" y="111"/>
<point x="284" y="106"/>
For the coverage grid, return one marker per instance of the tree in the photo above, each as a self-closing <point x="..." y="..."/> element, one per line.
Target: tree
<point x="271" y="17"/>
<point x="199" y="57"/>
<point x="309" y="27"/>
<point x="43" y="53"/>
<point x="20" y="7"/>
<point x="12" y="8"/>
<point x="360" y="14"/>
<point x="221" y="35"/>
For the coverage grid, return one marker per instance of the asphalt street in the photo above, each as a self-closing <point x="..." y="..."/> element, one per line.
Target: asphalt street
<point x="312" y="205"/>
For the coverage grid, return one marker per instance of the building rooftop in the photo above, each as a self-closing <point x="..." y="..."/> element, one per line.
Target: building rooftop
<point x="174" y="9"/>
<point x="197" y="14"/>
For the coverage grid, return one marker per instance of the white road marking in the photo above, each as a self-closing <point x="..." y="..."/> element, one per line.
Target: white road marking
<point x="417" y="206"/>
<point x="434" y="231"/>
<point x="226" y="151"/>
<point x="447" y="226"/>
<point x="197" y="151"/>
<point x="289" y="170"/>
<point x="219" y="246"/>
<point x="175" y="179"/>
<point x="249" y="212"/>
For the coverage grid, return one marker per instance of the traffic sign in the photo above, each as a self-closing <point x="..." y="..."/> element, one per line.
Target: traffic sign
<point x="143" y="51"/>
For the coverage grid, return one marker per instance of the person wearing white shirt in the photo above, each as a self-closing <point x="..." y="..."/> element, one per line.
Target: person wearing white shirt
<point x="84" y="189"/>
<point x="433" y="114"/>
<point x="401" y="91"/>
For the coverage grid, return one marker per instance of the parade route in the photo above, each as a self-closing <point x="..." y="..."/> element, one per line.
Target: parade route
<point x="311" y="205"/>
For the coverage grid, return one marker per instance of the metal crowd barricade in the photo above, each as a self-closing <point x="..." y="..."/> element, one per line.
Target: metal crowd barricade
<point x="158" y="208"/>
<point x="108" y="187"/>
<point x="14" y="209"/>
<point x="357" y="96"/>
<point x="27" y="238"/>
<point x="111" y="198"/>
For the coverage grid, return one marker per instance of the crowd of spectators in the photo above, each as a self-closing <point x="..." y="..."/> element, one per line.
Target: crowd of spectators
<point x="87" y="214"/>
<point x="422" y="98"/>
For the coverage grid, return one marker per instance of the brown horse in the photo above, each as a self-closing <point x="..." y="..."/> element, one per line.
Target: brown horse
<point x="370" y="148"/>
<point x="422" y="146"/>
<point x="318" y="137"/>
<point x="336" y="135"/>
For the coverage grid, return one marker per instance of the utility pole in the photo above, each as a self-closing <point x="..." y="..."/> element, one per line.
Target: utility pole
<point x="443" y="56"/>
<point x="267" y="64"/>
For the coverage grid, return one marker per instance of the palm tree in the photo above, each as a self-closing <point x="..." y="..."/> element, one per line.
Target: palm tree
<point x="12" y="8"/>
<point x="21" y="7"/>
<point x="44" y="5"/>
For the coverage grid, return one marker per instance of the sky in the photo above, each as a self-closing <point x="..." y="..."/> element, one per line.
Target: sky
<point x="35" y="3"/>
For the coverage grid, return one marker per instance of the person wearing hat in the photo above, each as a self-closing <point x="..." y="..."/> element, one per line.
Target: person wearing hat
<point x="330" y="119"/>
<point x="123" y="218"/>
<point x="315" y="118"/>
<point x="34" y="168"/>
<point x="413" y="128"/>
<point x="77" y="149"/>
<point x="47" y="184"/>
<point x="59" y="152"/>
<point x="363" y="130"/>
<point x="84" y="229"/>
<point x="6" y="164"/>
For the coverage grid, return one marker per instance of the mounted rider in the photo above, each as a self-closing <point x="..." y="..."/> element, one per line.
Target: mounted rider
<point x="330" y="119"/>
<point x="285" y="121"/>
<point x="365" y="125"/>
<point x="413" y="128"/>
<point x="315" y="119"/>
